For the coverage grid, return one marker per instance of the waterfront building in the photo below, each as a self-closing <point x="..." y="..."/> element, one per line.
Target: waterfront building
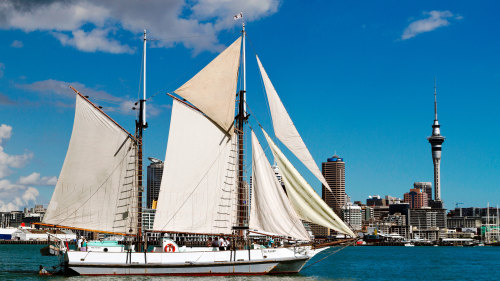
<point x="334" y="172"/>
<point x="148" y="218"/>
<point x="375" y="200"/>
<point x="427" y="218"/>
<point x="426" y="187"/>
<point x="351" y="215"/>
<point x="319" y="231"/>
<point x="27" y="234"/>
<point x="436" y="141"/>
<point x="155" y="172"/>
<point x="380" y="212"/>
<point x="366" y="215"/>
<point x="463" y="222"/>
<point x="395" y="219"/>
<point x="416" y="198"/>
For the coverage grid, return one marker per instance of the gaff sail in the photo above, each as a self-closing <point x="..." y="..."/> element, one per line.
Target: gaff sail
<point x="198" y="186"/>
<point x="213" y="89"/>
<point x="97" y="187"/>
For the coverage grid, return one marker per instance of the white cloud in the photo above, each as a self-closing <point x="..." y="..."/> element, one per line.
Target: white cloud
<point x="18" y="194"/>
<point x="111" y="102"/>
<point x="95" y="40"/>
<point x="434" y="19"/>
<point x="35" y="179"/>
<point x="195" y="24"/>
<point x="17" y="44"/>
<point x="61" y="88"/>
<point x="10" y="161"/>
<point x="5" y="132"/>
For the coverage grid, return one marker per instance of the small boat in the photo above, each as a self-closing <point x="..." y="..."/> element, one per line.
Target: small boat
<point x="203" y="189"/>
<point x="409" y="244"/>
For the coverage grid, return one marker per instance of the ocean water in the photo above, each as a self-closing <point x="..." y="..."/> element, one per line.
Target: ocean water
<point x="21" y="262"/>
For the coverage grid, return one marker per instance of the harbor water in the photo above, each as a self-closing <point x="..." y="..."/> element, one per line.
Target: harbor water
<point x="21" y="262"/>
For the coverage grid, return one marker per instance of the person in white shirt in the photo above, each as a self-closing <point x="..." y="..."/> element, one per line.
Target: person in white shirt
<point x="79" y="244"/>
<point x="221" y="243"/>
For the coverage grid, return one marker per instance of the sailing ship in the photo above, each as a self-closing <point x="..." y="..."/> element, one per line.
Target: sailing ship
<point x="203" y="189"/>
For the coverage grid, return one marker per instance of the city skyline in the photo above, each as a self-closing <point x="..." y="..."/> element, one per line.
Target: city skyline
<point x="363" y="89"/>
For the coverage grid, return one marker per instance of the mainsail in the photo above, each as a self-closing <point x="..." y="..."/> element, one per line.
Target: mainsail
<point x="213" y="89"/>
<point x="97" y="187"/>
<point x="285" y="130"/>
<point x="198" y="187"/>
<point x="306" y="202"/>
<point x="271" y="210"/>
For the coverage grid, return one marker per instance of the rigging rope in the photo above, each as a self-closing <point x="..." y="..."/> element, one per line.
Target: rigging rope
<point x="332" y="253"/>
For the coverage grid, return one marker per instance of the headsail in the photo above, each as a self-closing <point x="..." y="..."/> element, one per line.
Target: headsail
<point x="271" y="210"/>
<point x="213" y="89"/>
<point x="96" y="189"/>
<point x="285" y="130"/>
<point x="198" y="186"/>
<point x="307" y="203"/>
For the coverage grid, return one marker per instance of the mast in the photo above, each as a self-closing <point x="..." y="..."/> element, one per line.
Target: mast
<point x="140" y="125"/>
<point x="242" y="211"/>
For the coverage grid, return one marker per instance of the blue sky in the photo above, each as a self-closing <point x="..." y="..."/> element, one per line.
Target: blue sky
<point x="356" y="78"/>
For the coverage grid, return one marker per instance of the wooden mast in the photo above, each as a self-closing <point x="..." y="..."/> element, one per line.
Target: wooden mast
<point x="242" y="209"/>
<point x="140" y="125"/>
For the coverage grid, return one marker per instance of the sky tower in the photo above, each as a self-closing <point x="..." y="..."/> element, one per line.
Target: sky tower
<point x="436" y="140"/>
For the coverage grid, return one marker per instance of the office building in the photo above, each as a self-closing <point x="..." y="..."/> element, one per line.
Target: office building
<point x="351" y="215"/>
<point x="334" y="172"/>
<point x="416" y="198"/>
<point x="155" y="172"/>
<point x="426" y="187"/>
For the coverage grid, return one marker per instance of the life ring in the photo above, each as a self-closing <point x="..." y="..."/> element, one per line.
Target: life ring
<point x="169" y="248"/>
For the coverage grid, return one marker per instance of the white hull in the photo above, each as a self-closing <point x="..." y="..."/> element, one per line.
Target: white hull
<point x="191" y="263"/>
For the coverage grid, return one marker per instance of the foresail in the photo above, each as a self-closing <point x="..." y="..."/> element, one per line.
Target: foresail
<point x="271" y="210"/>
<point x="213" y="89"/>
<point x="306" y="202"/>
<point x="97" y="188"/>
<point x="198" y="188"/>
<point x="285" y="130"/>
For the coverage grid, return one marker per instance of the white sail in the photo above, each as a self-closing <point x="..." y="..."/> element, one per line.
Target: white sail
<point x="213" y="89"/>
<point x="285" y="130"/>
<point x="271" y="210"/>
<point x="198" y="187"/>
<point x="97" y="188"/>
<point x="307" y="203"/>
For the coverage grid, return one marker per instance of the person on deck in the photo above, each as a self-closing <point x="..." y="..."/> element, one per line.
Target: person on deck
<point x="215" y="244"/>
<point x="79" y="244"/>
<point x="84" y="245"/>
<point x="221" y="243"/>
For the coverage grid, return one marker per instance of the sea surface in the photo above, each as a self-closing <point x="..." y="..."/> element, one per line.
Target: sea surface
<point x="21" y="262"/>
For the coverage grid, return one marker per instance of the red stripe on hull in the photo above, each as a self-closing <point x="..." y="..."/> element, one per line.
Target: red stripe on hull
<point x="181" y="274"/>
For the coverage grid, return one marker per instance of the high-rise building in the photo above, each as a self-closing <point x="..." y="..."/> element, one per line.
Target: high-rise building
<point x="334" y="173"/>
<point x="426" y="187"/>
<point x="351" y="215"/>
<point x="155" y="172"/>
<point x="436" y="141"/>
<point x="416" y="198"/>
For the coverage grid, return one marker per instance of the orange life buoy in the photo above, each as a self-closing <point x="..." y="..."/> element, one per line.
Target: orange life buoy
<point x="169" y="248"/>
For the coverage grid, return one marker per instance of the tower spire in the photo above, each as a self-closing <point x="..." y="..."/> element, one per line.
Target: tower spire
<point x="436" y="141"/>
<point x="435" y="101"/>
